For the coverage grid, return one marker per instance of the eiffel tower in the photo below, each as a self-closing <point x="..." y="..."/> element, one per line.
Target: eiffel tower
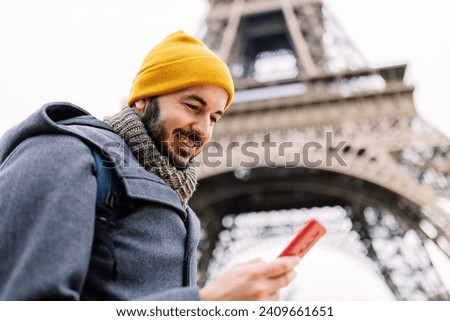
<point x="302" y="83"/>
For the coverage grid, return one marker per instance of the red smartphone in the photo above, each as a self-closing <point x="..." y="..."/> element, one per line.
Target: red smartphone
<point x="305" y="238"/>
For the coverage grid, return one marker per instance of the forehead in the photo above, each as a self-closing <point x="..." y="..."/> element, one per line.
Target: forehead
<point x="212" y="96"/>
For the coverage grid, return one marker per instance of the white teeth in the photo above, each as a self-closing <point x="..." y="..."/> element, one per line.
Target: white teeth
<point x="186" y="142"/>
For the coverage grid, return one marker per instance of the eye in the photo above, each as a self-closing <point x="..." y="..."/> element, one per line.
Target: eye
<point x="192" y="107"/>
<point x="214" y="120"/>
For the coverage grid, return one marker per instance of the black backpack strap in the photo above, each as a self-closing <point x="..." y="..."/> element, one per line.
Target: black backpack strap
<point x="106" y="207"/>
<point x="111" y="197"/>
<point x="104" y="179"/>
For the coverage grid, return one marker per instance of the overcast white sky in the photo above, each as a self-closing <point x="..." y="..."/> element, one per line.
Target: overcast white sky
<point x="88" y="52"/>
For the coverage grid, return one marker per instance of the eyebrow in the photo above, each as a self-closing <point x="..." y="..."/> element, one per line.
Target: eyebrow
<point x="201" y="101"/>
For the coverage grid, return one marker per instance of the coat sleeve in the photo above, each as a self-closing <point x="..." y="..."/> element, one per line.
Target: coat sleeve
<point x="47" y="217"/>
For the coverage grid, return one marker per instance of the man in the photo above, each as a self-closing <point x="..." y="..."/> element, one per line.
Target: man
<point x="55" y="241"/>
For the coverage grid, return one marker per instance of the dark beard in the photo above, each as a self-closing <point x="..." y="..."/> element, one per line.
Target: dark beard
<point x="155" y="128"/>
<point x="154" y="124"/>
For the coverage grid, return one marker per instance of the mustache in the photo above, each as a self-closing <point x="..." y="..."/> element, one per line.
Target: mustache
<point x="194" y="137"/>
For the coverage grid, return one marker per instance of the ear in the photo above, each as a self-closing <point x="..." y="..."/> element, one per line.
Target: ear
<point x="140" y="105"/>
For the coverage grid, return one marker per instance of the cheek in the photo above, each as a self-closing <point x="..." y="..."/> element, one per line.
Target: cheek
<point x="172" y="124"/>
<point x="167" y="129"/>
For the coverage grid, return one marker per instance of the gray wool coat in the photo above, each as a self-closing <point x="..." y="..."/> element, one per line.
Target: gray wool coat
<point x="48" y="248"/>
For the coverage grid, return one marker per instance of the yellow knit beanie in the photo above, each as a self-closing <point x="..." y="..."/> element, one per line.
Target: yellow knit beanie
<point x="178" y="62"/>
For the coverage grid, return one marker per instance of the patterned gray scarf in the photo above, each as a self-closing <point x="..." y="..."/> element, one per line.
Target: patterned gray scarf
<point x="128" y="125"/>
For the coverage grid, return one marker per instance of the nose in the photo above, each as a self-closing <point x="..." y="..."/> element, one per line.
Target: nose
<point x="202" y="126"/>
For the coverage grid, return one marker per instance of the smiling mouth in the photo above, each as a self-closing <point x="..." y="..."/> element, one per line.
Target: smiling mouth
<point x="189" y="143"/>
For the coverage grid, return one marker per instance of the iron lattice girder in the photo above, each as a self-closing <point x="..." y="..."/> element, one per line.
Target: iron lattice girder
<point x="277" y="189"/>
<point x="371" y="109"/>
<point x="241" y="30"/>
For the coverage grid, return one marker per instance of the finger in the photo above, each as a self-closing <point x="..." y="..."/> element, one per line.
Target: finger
<point x="281" y="266"/>
<point x="275" y="296"/>
<point x="252" y="261"/>
<point x="275" y="284"/>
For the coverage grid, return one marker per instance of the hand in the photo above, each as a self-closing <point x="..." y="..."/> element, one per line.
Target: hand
<point x="252" y="280"/>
